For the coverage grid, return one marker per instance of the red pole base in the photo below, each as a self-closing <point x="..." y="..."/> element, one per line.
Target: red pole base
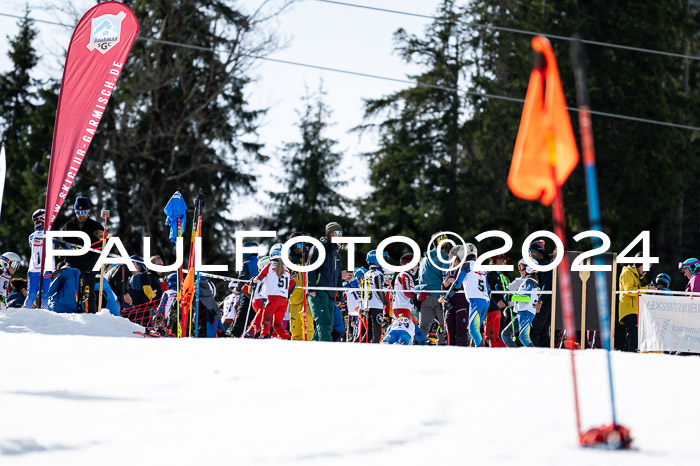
<point x="607" y="437"/>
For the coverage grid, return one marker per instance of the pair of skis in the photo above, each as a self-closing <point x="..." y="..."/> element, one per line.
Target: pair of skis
<point x="189" y="320"/>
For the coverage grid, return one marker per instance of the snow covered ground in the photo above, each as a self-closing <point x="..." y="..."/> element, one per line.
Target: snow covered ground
<point x="69" y="396"/>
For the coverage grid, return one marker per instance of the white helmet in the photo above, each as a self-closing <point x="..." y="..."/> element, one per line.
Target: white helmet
<point x="459" y="252"/>
<point x="471" y="250"/>
<point x="263" y="261"/>
<point x="528" y="269"/>
<point x="10" y="260"/>
<point x="276" y="251"/>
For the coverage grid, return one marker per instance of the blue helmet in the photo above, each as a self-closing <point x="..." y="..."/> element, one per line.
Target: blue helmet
<point x="372" y="257"/>
<point x="359" y="272"/>
<point x="663" y="279"/>
<point x="171" y="280"/>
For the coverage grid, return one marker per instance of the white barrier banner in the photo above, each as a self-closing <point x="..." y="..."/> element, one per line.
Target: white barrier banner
<point x="669" y="323"/>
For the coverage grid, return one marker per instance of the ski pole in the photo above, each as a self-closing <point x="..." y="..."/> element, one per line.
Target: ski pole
<point x="251" y="289"/>
<point x="105" y="214"/>
<point x="196" y="310"/>
<point x="304" y="280"/>
<point x="512" y="323"/>
<point x="584" y="120"/>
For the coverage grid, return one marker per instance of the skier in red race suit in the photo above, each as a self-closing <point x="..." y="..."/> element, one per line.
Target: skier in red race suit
<point x="404" y="291"/>
<point x="497" y="281"/>
<point x="259" y="299"/>
<point x="278" y="283"/>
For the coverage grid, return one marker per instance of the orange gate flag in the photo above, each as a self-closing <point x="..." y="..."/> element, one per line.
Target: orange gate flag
<point x="537" y="169"/>
<point x="185" y="298"/>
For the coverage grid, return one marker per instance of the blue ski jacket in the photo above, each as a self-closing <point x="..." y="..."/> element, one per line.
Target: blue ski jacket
<point x="110" y="299"/>
<point x="429" y="276"/>
<point x="64" y="294"/>
<point x="249" y="270"/>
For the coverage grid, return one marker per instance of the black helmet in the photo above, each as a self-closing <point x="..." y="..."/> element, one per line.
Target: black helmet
<point x="639" y="254"/>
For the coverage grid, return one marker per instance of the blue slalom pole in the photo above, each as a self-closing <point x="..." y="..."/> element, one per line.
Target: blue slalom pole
<point x="584" y="118"/>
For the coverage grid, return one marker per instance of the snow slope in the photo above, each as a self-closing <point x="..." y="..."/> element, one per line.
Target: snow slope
<point x="50" y="323"/>
<point x="75" y="399"/>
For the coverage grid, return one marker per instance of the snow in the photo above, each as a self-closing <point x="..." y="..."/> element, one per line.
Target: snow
<point x="70" y="398"/>
<point x="50" y="323"/>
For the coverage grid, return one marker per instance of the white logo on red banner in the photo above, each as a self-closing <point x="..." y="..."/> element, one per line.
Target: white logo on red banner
<point x="105" y="31"/>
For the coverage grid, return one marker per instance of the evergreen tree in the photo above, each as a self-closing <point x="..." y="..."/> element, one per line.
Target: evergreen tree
<point x="642" y="169"/>
<point x="444" y="157"/>
<point x="420" y="172"/>
<point x="27" y="113"/>
<point x="310" y="197"/>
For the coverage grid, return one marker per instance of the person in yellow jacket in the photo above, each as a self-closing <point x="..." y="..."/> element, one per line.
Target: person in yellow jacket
<point x="298" y="256"/>
<point x="632" y="278"/>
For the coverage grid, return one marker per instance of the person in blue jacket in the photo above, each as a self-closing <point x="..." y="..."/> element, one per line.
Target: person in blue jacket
<point x="67" y="291"/>
<point x="338" y="332"/>
<point x="109" y="299"/>
<point x="403" y="332"/>
<point x="142" y="286"/>
<point x="18" y="294"/>
<point x="662" y="283"/>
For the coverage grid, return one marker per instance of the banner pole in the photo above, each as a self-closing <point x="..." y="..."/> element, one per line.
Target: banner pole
<point x="105" y="214"/>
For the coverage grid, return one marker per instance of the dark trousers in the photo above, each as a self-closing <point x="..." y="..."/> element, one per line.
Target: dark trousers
<point x="244" y="316"/>
<point x="457" y="325"/>
<point x="376" y="320"/>
<point x="539" y="331"/>
<point x="373" y="332"/>
<point x="630" y="323"/>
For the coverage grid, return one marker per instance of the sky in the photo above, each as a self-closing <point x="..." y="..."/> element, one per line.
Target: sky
<point x="314" y="33"/>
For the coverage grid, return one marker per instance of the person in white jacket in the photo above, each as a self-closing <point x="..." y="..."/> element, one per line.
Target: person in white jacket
<point x="526" y="303"/>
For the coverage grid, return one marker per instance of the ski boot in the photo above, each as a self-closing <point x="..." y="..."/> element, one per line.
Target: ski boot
<point x="433" y="336"/>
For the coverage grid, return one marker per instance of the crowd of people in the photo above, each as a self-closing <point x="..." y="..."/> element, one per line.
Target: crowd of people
<point x="425" y="304"/>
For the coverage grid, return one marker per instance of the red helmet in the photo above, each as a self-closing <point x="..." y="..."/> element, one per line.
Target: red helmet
<point x="406" y="258"/>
